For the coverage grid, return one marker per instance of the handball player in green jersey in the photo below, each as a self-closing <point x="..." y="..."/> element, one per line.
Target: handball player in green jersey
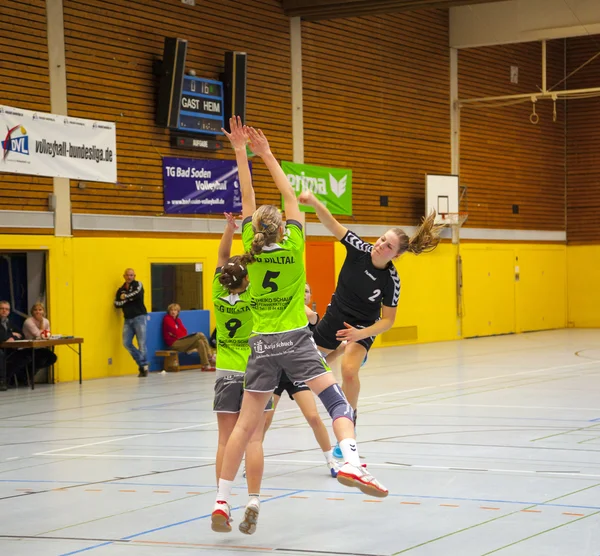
<point x="231" y="301"/>
<point x="281" y="338"/>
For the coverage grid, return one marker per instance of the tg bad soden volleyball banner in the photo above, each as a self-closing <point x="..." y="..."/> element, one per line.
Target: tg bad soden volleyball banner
<point x="332" y="186"/>
<point x="41" y="144"/>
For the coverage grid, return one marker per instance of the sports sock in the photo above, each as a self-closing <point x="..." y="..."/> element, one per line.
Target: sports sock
<point x="224" y="490"/>
<point x="350" y="451"/>
<point x="328" y="456"/>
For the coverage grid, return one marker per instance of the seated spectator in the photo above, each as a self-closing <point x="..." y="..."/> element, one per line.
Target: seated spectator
<point x="16" y="360"/>
<point x="176" y="337"/>
<point x="37" y="327"/>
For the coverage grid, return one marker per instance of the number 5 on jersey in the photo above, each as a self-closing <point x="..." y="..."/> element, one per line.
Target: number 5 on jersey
<point x="268" y="282"/>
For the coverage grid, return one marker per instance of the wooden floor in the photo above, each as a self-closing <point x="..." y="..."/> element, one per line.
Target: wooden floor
<point x="488" y="446"/>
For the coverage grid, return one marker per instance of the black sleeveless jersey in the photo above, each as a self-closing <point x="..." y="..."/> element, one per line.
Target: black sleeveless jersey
<point x="362" y="288"/>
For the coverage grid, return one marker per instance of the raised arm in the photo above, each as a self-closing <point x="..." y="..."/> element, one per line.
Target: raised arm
<point x="238" y="139"/>
<point x="308" y="198"/>
<point x="226" y="240"/>
<point x="260" y="146"/>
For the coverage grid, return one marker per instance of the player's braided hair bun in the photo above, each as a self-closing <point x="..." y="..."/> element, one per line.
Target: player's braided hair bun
<point x="266" y="222"/>
<point x="233" y="272"/>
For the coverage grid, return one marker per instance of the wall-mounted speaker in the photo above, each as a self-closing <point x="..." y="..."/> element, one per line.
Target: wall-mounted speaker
<point x="171" y="74"/>
<point x="234" y="85"/>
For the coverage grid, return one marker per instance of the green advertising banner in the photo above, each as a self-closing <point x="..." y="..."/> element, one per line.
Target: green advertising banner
<point x="332" y="186"/>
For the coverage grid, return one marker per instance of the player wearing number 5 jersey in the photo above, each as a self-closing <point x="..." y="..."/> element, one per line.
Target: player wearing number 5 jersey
<point x="231" y="300"/>
<point x="366" y="297"/>
<point x="281" y="337"/>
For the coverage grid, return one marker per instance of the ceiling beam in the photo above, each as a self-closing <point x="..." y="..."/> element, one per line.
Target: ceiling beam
<point x="329" y="9"/>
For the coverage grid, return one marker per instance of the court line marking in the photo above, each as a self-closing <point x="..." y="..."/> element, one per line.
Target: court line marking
<point x="318" y="491"/>
<point x="565" y="367"/>
<point x="142" y="435"/>
<point x="170" y="525"/>
<point x="540" y="533"/>
<point x="468" y="528"/>
<point x="575" y="472"/>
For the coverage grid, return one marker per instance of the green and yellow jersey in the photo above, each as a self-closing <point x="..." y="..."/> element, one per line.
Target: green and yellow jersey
<point x="234" y="326"/>
<point x="277" y="280"/>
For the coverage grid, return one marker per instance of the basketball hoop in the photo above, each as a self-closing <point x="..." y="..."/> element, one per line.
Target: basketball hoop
<point x="453" y="220"/>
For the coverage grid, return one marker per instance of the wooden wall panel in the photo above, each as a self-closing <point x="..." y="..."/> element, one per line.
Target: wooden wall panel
<point x="376" y="99"/>
<point x="24" y="84"/>
<point x="504" y="159"/>
<point x="583" y="144"/>
<point x="111" y="45"/>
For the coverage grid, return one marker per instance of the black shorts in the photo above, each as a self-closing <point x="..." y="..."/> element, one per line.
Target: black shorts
<point x="327" y="328"/>
<point x="290" y="387"/>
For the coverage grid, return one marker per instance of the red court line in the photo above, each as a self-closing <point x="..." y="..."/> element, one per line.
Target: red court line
<point x="450" y="505"/>
<point x="532" y="511"/>
<point x="372" y="501"/>
<point x="127" y="490"/>
<point x="162" y="491"/>
<point x="303" y="497"/>
<point x="169" y="543"/>
<point x="487" y="508"/>
<point x="569" y="513"/>
<point x="333" y="498"/>
<point x="412" y="503"/>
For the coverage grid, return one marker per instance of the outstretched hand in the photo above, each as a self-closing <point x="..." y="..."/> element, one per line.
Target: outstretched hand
<point x="350" y="334"/>
<point x="231" y="221"/>
<point x="258" y="141"/>
<point x="237" y="136"/>
<point x="307" y="197"/>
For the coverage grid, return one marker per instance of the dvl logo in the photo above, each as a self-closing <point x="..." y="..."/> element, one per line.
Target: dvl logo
<point x="16" y="141"/>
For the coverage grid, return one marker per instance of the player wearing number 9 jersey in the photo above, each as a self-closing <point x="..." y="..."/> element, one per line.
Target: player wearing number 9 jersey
<point x="282" y="339"/>
<point x="366" y="297"/>
<point x="231" y="300"/>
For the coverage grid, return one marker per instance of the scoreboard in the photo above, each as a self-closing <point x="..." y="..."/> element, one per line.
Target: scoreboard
<point x="201" y="106"/>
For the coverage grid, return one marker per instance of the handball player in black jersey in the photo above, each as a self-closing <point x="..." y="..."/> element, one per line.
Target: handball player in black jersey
<point x="366" y="297"/>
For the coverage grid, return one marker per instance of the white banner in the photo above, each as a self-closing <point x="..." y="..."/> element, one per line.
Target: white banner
<point x="42" y="144"/>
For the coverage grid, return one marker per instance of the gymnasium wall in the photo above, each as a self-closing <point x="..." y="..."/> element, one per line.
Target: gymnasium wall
<point x="583" y="144"/>
<point x="111" y="46"/>
<point x="24" y="84"/>
<point x="505" y="160"/>
<point x="583" y="184"/>
<point x="376" y="99"/>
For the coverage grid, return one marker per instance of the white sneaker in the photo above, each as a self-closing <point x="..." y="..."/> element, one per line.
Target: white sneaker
<point x="248" y="525"/>
<point x="221" y="517"/>
<point x="333" y="468"/>
<point x="352" y="476"/>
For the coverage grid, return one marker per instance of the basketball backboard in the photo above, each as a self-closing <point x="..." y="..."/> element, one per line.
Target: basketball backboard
<point x="441" y="195"/>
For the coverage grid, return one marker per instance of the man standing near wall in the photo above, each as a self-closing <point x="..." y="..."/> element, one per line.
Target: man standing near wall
<point x="130" y="298"/>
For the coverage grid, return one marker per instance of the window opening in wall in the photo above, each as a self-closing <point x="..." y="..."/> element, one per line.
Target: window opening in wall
<point x="177" y="283"/>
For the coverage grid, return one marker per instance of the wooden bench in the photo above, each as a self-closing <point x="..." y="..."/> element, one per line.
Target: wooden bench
<point x="171" y="361"/>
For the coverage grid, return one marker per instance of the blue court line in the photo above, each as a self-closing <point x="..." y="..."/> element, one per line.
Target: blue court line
<point x="129" y="537"/>
<point x="594" y="420"/>
<point x="322" y="491"/>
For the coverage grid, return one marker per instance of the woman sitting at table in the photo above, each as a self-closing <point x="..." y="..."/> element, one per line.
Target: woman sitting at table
<point x="176" y="337"/>
<point x="37" y="327"/>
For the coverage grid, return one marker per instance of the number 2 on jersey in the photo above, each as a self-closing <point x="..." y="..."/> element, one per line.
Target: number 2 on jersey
<point x="375" y="295"/>
<point x="268" y="281"/>
<point x="232" y="325"/>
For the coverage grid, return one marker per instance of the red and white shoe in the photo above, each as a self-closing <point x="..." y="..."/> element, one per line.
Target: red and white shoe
<point x="352" y="476"/>
<point x="221" y="517"/>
